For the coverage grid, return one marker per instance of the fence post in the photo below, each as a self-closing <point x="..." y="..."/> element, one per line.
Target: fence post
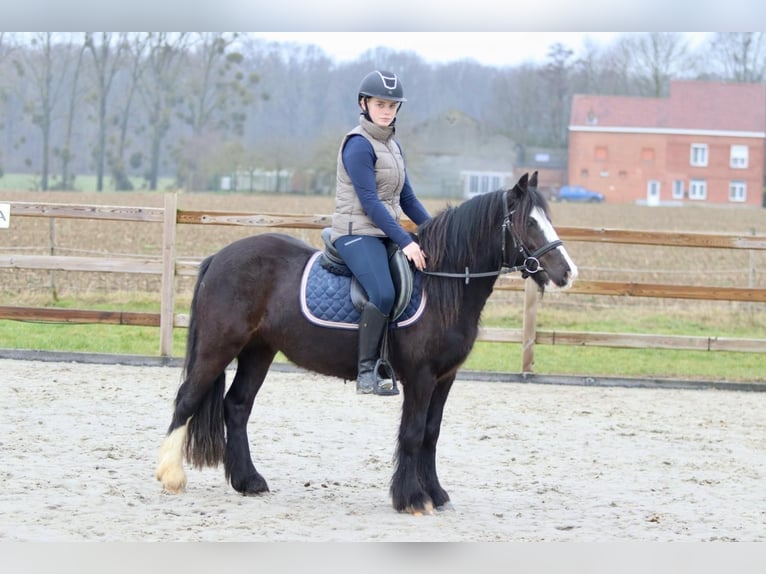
<point x="529" y="326"/>
<point x="167" y="311"/>
<point x="52" y="251"/>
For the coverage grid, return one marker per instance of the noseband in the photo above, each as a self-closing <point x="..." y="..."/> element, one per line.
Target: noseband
<point x="530" y="265"/>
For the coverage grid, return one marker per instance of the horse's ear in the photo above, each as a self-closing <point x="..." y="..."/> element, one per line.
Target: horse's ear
<point x="533" y="180"/>
<point x="522" y="183"/>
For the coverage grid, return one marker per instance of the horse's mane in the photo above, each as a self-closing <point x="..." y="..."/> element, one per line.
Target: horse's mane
<point x="469" y="235"/>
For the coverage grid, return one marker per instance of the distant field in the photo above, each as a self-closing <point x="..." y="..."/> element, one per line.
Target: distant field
<point x="31" y="182"/>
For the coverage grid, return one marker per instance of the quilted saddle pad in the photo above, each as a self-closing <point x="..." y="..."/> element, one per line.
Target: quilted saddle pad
<point x="325" y="299"/>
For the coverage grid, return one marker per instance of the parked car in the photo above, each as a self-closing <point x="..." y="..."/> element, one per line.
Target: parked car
<point x="578" y="193"/>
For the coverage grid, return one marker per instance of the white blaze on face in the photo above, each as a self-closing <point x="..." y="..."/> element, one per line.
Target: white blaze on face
<point x="550" y="235"/>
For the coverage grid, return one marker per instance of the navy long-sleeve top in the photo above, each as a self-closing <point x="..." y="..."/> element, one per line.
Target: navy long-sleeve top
<point x="359" y="161"/>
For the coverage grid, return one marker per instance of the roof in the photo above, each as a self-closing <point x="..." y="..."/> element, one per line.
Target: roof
<point x="692" y="105"/>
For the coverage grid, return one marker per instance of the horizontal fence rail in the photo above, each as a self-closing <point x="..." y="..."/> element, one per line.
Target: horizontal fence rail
<point x="169" y="266"/>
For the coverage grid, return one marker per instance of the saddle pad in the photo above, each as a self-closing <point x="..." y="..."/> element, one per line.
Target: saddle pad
<point x="325" y="299"/>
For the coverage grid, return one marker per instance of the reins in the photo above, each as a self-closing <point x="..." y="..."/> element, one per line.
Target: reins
<point x="530" y="266"/>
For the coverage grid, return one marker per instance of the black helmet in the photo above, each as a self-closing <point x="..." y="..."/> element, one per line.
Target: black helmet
<point x="383" y="85"/>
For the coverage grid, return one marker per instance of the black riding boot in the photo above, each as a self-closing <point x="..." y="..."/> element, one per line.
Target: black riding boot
<point x="372" y="326"/>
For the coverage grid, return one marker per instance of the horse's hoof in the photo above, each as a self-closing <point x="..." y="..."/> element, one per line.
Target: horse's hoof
<point x="255" y="492"/>
<point x="173" y="486"/>
<point x="173" y="481"/>
<point x="173" y="490"/>
<point x="252" y="486"/>
<point x="428" y="508"/>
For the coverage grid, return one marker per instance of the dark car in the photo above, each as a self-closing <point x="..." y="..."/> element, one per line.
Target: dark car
<point x="579" y="193"/>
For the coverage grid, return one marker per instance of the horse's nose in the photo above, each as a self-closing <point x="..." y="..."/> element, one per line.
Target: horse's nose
<point x="573" y="272"/>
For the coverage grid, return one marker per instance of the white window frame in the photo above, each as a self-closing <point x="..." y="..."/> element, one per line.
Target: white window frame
<point x="678" y="189"/>
<point x="698" y="155"/>
<point x="698" y="189"/>
<point x="478" y="182"/>
<point x="737" y="191"/>
<point x="739" y="157"/>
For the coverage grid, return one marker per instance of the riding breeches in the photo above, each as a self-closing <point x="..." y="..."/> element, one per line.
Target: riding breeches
<point x="367" y="258"/>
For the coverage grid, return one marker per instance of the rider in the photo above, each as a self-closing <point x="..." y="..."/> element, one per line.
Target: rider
<point x="371" y="192"/>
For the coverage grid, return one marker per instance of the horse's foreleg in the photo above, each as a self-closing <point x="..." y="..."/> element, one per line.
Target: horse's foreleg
<point x="427" y="460"/>
<point x="252" y="365"/>
<point x="407" y="492"/>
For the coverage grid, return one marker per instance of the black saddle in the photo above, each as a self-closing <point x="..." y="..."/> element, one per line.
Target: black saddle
<point x="401" y="274"/>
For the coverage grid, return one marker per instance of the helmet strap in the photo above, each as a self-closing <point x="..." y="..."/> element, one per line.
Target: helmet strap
<point x="365" y="107"/>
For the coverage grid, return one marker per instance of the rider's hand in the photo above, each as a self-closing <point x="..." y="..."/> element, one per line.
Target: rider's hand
<point x="416" y="255"/>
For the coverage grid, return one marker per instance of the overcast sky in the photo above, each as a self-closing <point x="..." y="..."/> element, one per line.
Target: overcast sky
<point x="489" y="48"/>
<point x="365" y="16"/>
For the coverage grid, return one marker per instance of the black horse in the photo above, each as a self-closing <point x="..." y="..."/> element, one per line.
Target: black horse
<point x="245" y="307"/>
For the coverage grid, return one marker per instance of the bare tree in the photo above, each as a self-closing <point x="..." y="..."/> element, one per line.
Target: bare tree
<point x="654" y="58"/>
<point x="601" y="70"/>
<point x="106" y="52"/>
<point x="6" y="47"/>
<point x="559" y="96"/>
<point x="129" y="74"/>
<point x="516" y="103"/>
<point x="166" y="52"/>
<point x="66" y="152"/>
<point x="212" y="101"/>
<point x="741" y="55"/>
<point x="43" y="66"/>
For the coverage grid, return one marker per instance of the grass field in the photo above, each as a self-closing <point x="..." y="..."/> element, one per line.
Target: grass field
<point x="129" y="292"/>
<point x="82" y="183"/>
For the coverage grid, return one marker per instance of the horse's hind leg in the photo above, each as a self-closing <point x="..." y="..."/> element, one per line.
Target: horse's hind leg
<point x="427" y="460"/>
<point x="252" y="365"/>
<point x="204" y="384"/>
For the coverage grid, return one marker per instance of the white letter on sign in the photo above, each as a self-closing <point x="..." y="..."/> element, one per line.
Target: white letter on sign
<point x="5" y="215"/>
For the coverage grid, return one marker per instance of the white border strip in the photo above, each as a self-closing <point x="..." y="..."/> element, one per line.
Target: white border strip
<point x="666" y="131"/>
<point x="305" y="308"/>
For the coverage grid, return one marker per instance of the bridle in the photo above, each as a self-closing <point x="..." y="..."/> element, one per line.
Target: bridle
<point x="529" y="266"/>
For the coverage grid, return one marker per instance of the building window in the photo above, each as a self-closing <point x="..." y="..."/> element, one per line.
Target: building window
<point x="698" y="189"/>
<point x="647" y="154"/>
<point x="738" y="157"/>
<point x="737" y="191"/>
<point x="678" y="189"/>
<point x="584" y="172"/>
<point x="601" y="153"/>
<point x="478" y="182"/>
<point x="699" y="155"/>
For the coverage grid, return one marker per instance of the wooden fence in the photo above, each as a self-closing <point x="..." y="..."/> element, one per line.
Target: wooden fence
<point x="170" y="266"/>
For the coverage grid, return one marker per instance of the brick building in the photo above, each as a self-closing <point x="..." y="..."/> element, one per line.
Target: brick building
<point x="704" y="143"/>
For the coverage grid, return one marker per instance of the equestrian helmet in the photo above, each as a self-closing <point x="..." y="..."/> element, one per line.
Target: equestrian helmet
<point x="383" y="85"/>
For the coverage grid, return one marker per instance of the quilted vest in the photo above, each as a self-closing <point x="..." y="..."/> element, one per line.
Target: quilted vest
<point x="349" y="216"/>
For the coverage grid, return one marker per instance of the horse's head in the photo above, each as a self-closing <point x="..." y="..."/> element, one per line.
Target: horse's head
<point x="531" y="241"/>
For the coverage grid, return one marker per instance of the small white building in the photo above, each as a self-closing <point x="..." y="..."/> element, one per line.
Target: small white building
<point x="478" y="182"/>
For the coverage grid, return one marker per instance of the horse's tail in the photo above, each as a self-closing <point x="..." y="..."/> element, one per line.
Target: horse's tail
<point x="206" y="435"/>
<point x="191" y="339"/>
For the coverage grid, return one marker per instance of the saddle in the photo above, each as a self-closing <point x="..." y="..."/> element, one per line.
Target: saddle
<point x="401" y="274"/>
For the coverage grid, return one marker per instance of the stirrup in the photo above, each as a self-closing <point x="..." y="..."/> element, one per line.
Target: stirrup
<point x="385" y="387"/>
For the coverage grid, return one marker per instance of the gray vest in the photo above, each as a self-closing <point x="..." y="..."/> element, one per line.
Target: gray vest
<point x="349" y="217"/>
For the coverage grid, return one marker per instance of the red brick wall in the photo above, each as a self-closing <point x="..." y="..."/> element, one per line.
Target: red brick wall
<point x="624" y="175"/>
